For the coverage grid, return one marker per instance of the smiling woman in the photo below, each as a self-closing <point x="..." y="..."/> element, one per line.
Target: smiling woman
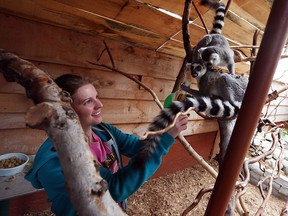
<point x="85" y="100"/>
<point x="106" y="143"/>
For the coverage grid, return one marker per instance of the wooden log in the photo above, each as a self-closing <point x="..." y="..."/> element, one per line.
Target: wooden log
<point x="87" y="190"/>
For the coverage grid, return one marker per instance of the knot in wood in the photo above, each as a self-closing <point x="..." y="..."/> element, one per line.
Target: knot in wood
<point x="61" y="124"/>
<point x="70" y="112"/>
<point x="65" y="96"/>
<point x="100" y="188"/>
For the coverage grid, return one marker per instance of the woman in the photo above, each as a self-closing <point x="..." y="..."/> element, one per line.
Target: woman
<point x="107" y="143"/>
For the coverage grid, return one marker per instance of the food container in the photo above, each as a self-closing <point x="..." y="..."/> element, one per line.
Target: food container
<point x="13" y="170"/>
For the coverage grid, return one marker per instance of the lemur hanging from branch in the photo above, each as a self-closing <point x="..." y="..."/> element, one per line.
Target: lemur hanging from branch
<point x="215" y="84"/>
<point x="217" y="106"/>
<point x="220" y="94"/>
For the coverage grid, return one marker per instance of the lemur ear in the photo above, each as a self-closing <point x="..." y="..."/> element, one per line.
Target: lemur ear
<point x="201" y="50"/>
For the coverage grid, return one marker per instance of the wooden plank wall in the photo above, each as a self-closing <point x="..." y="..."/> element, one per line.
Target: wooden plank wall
<point x="123" y="20"/>
<point x="57" y="51"/>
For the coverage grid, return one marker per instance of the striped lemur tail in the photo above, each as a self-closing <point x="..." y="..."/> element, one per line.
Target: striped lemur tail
<point x="209" y="107"/>
<point x="218" y="22"/>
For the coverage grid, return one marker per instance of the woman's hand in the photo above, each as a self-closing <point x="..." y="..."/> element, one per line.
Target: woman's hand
<point x="180" y="125"/>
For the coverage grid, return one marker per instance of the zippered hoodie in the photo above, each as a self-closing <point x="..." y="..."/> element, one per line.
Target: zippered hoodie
<point x="47" y="173"/>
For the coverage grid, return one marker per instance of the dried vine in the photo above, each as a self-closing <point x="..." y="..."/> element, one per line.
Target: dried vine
<point x="241" y="186"/>
<point x="238" y="58"/>
<point x="196" y="201"/>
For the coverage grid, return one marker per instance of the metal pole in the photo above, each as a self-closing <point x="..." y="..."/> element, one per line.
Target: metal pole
<point x="268" y="56"/>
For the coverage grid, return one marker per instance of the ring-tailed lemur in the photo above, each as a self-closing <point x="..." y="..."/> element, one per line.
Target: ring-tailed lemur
<point x="214" y="48"/>
<point x="228" y="87"/>
<point x="215" y="84"/>
<point x="209" y="107"/>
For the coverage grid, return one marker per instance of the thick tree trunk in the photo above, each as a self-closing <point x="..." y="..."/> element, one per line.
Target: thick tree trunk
<point x="52" y="112"/>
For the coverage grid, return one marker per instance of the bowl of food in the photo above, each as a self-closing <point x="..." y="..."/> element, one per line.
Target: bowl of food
<point x="12" y="163"/>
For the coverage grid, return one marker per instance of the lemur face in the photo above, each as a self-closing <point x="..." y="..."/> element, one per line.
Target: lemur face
<point x="209" y="56"/>
<point x="205" y="55"/>
<point x="213" y="60"/>
<point x="198" y="69"/>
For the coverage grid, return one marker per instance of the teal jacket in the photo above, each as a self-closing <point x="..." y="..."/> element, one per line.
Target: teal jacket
<point x="47" y="173"/>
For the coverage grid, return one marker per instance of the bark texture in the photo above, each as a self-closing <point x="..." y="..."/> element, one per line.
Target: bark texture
<point x="52" y="112"/>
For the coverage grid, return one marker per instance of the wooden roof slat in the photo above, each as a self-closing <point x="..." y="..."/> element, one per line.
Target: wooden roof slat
<point x="132" y="13"/>
<point x="244" y="14"/>
<point x="235" y="29"/>
<point x="249" y="15"/>
<point x="83" y="21"/>
<point x="176" y="6"/>
<point x="139" y="23"/>
<point x="67" y="49"/>
<point x="173" y="47"/>
<point x="196" y="33"/>
<point x="254" y="11"/>
<point x="257" y="9"/>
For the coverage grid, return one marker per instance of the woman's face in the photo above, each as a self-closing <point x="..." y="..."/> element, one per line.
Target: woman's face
<point x="87" y="105"/>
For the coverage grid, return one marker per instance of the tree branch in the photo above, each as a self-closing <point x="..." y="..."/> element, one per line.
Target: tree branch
<point x="52" y="112"/>
<point x="185" y="31"/>
<point x="201" y="18"/>
<point x="198" y="198"/>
